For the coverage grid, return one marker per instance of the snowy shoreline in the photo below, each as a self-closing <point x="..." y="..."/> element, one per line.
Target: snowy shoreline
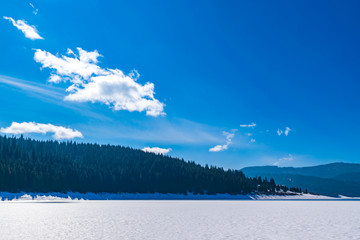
<point x="75" y="196"/>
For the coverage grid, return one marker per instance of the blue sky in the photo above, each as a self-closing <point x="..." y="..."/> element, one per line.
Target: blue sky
<point x="206" y="68"/>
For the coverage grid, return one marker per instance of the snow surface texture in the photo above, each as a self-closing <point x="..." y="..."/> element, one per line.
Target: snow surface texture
<point x="56" y="196"/>
<point x="181" y="220"/>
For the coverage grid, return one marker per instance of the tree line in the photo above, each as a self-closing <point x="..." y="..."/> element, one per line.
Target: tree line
<point x="53" y="166"/>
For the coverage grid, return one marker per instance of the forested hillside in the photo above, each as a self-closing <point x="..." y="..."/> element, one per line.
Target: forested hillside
<point x="48" y="166"/>
<point x="330" y="179"/>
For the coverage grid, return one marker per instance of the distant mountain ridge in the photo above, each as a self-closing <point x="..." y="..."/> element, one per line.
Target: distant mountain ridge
<point x="330" y="179"/>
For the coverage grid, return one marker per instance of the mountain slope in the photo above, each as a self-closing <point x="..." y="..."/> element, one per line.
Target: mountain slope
<point x="331" y="179"/>
<point x="51" y="166"/>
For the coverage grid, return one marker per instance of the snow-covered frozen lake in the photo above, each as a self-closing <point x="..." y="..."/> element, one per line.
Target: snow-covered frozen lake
<point x="180" y="220"/>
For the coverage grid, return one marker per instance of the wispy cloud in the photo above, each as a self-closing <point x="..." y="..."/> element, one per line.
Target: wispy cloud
<point x="159" y="131"/>
<point x="47" y="93"/>
<point x="156" y="150"/>
<point x="30" y="31"/>
<point x="91" y="83"/>
<point x="60" y="132"/>
<point x="251" y="125"/>
<point x="229" y="136"/>
<point x="287" y="130"/>
<point x="32" y="87"/>
<point x="35" y="9"/>
<point x="252" y="140"/>
<point x="283" y="160"/>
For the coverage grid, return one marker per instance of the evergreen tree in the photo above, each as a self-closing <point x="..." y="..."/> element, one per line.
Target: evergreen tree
<point x="47" y="166"/>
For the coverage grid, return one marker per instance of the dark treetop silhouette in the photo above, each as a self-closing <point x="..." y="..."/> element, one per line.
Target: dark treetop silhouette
<point x="52" y="166"/>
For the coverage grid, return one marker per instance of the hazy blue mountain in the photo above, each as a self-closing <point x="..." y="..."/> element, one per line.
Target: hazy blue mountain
<point x="349" y="177"/>
<point x="331" y="179"/>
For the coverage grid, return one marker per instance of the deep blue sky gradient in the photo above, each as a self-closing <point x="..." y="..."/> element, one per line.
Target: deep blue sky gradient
<point x="215" y="64"/>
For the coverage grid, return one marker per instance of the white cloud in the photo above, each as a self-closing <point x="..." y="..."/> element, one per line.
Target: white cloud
<point x="60" y="133"/>
<point x="74" y="69"/>
<point x="287" y="130"/>
<point x="284" y="159"/>
<point x="54" y="78"/>
<point x="249" y="134"/>
<point x="90" y="83"/>
<point x="248" y="125"/>
<point x="288" y="158"/>
<point x="252" y="140"/>
<point x="229" y="136"/>
<point x="156" y="150"/>
<point x="219" y="148"/>
<point x="35" y="9"/>
<point x="119" y="91"/>
<point x="29" y="31"/>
